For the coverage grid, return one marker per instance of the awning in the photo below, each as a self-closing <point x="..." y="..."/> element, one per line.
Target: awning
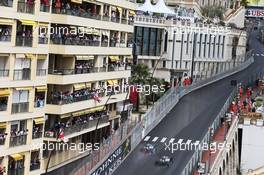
<point x="65" y="116"/>
<point x="6" y="22"/>
<point x="79" y="86"/>
<point x="119" y="9"/>
<point x="28" y="22"/>
<point x="91" y="110"/>
<point x="132" y="13"/>
<point x="42" y="57"/>
<point x="4" y="92"/>
<point x="90" y="57"/>
<point x="77" y="1"/>
<point x="39" y="121"/>
<point x="2" y="125"/>
<point x="88" y="85"/>
<point x="42" y="89"/>
<point x="30" y="56"/>
<point x="4" y="55"/>
<point x="43" y="24"/>
<point x="112" y="82"/>
<point x="24" y="89"/>
<point x="17" y="157"/>
<point x="114" y="58"/>
<point x="130" y="57"/>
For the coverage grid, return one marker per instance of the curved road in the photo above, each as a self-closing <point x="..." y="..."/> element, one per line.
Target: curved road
<point x="189" y="119"/>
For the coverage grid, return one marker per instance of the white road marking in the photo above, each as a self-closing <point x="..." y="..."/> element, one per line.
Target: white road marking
<point x="172" y="140"/>
<point x="257" y="54"/>
<point x="163" y="139"/>
<point x="188" y="142"/>
<point x="262" y="54"/>
<point x="147" y="138"/>
<point x="155" y="139"/>
<point x="180" y="141"/>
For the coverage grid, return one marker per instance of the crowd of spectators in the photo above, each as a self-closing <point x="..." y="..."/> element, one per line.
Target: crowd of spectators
<point x="84" y="67"/>
<point x="77" y="121"/>
<point x="75" y="39"/>
<point x="17" y="133"/>
<point x="5" y="34"/>
<point x="37" y="131"/>
<point x="40" y="100"/>
<point x="2" y="138"/>
<point x="71" y="97"/>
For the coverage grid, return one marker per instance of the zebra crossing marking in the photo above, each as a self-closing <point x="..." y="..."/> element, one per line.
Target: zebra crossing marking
<point x="147" y="138"/>
<point x="155" y="139"/>
<point x="171" y="140"/>
<point x="257" y="54"/>
<point x="163" y="139"/>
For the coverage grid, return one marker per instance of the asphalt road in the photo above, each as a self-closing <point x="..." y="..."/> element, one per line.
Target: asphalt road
<point x="189" y="119"/>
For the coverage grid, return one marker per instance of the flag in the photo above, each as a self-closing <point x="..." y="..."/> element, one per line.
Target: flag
<point x="96" y="97"/>
<point x="62" y="136"/>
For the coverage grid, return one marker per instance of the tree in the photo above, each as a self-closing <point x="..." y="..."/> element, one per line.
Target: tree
<point x="213" y="11"/>
<point x="244" y="3"/>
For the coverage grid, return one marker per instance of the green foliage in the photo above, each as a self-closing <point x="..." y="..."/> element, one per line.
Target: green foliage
<point x="244" y="3"/>
<point x="213" y="11"/>
<point x="140" y="74"/>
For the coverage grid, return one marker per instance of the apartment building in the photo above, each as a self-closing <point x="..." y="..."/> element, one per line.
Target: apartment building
<point x="55" y="79"/>
<point x="183" y="48"/>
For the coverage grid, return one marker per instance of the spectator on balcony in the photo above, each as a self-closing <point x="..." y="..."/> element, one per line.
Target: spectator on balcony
<point x="58" y="6"/>
<point x="2" y="169"/>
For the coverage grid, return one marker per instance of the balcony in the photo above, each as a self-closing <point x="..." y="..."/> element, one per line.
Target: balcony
<point x="22" y="74"/>
<point x="41" y="72"/>
<point x="6" y="3"/>
<point x="2" y="140"/>
<point x="24" y="41"/>
<point x="23" y="7"/>
<point x="79" y="127"/>
<point x="70" y="76"/>
<point x="74" y="41"/>
<point x="20" y="107"/>
<point x="4" y="73"/>
<point x="37" y="135"/>
<point x="5" y="38"/>
<point x="44" y="8"/>
<point x="18" y="171"/>
<point x="43" y="40"/>
<point x="18" y="140"/>
<point x="34" y="166"/>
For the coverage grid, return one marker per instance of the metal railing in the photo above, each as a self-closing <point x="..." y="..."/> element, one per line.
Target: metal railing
<point x="22" y="74"/>
<point x="36" y="135"/>
<point x="20" y="107"/>
<point x="18" y="140"/>
<point x="43" y="40"/>
<point x="6" y="3"/>
<point x="17" y="171"/>
<point x="83" y="126"/>
<point x="4" y="73"/>
<point x="104" y="44"/>
<point x="5" y="38"/>
<point x="81" y="41"/>
<point x="41" y="72"/>
<point x="2" y="141"/>
<point x="34" y="166"/>
<point x="44" y="8"/>
<point x="3" y="107"/>
<point x="24" y="7"/>
<point x="24" y="41"/>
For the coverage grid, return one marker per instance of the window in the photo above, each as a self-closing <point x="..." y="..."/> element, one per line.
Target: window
<point x="145" y="41"/>
<point x="164" y="64"/>
<point x="218" y="50"/>
<point x="200" y="44"/>
<point x="205" y="43"/>
<point x="223" y="47"/>
<point x="186" y="64"/>
<point x="152" y="63"/>
<point x="152" y="41"/>
<point x="209" y="51"/>
<point x="166" y="42"/>
<point x="214" y="46"/>
<point x="187" y="45"/>
<point x="20" y="96"/>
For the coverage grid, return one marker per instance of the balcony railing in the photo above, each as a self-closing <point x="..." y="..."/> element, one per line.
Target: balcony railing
<point x="24" y="7"/>
<point x="104" y="44"/>
<point x="36" y="135"/>
<point x="44" y="8"/>
<point x="83" y="126"/>
<point x="79" y="127"/>
<point x="24" y="41"/>
<point x="3" y="107"/>
<point x="4" y="73"/>
<point x="17" y="171"/>
<point x="34" y="166"/>
<point x="77" y="71"/>
<point x="41" y="72"/>
<point x="20" y="107"/>
<point x="6" y="3"/>
<point x="2" y="141"/>
<point x="5" y="38"/>
<point x="22" y="74"/>
<point x="106" y="18"/>
<point x="18" y="140"/>
<point x="43" y="40"/>
<point x="75" y="41"/>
